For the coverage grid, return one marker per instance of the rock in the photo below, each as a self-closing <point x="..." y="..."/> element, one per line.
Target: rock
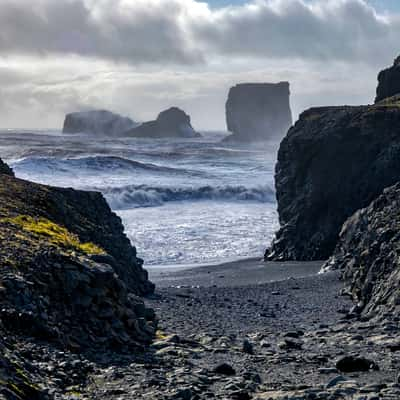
<point x="224" y="369"/>
<point x="55" y="290"/>
<point x="247" y="347"/>
<point x="258" y="112"/>
<point x="334" y="161"/>
<point x="333" y="382"/>
<point x="5" y="169"/>
<point x="290" y="344"/>
<point x="355" y="364"/>
<point x="367" y="255"/>
<point x="389" y="82"/>
<point x="85" y="214"/>
<point x="170" y="123"/>
<point x="100" y="122"/>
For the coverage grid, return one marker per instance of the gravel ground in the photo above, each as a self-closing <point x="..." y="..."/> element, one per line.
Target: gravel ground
<point x="222" y="339"/>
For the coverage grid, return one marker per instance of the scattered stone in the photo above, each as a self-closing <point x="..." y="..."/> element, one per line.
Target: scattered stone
<point x="224" y="369"/>
<point x="355" y="364"/>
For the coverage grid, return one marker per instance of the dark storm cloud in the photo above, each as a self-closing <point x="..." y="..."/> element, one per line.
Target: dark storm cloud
<point x="187" y="31"/>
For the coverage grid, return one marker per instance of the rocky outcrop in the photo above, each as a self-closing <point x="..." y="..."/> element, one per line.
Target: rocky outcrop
<point x="69" y="278"/>
<point x="389" y="82"/>
<point x="66" y="250"/>
<point x="258" y="112"/>
<point x="170" y="123"/>
<point x="368" y="252"/>
<point x="100" y="122"/>
<point x="5" y="169"/>
<point x="334" y="161"/>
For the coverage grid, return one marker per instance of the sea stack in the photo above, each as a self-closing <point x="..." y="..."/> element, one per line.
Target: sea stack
<point x="171" y="123"/>
<point x="334" y="161"/>
<point x="389" y="81"/>
<point x="100" y="122"/>
<point x="258" y="112"/>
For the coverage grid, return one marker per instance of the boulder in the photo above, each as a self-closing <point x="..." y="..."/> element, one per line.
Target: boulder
<point x="368" y="255"/>
<point x="258" y="112"/>
<point x="170" y="123"/>
<point x="100" y="122"/>
<point x="5" y="169"/>
<point x="389" y="81"/>
<point x="334" y="161"/>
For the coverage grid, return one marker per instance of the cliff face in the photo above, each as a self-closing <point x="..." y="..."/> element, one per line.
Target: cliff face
<point x="68" y="272"/>
<point x="389" y="82"/>
<point x="368" y="252"/>
<point x="99" y="122"/>
<point x="334" y="161"/>
<point x="169" y="123"/>
<point x="258" y="111"/>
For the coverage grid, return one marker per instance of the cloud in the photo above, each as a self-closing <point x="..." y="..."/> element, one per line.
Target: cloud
<point x="137" y="57"/>
<point x="189" y="32"/>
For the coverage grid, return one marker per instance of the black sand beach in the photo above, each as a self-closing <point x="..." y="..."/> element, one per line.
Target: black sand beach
<point x="277" y="329"/>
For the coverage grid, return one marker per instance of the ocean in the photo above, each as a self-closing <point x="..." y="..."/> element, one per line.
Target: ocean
<point x="182" y="202"/>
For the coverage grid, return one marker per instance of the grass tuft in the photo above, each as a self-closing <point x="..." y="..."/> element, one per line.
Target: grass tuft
<point x="53" y="233"/>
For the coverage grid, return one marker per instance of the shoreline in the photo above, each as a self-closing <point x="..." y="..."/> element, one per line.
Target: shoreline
<point x="250" y="271"/>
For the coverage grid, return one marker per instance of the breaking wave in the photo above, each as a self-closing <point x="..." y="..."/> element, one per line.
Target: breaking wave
<point x="147" y="196"/>
<point x="108" y="164"/>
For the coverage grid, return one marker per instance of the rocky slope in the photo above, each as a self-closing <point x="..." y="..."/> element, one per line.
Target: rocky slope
<point x="368" y="252"/>
<point x="69" y="279"/>
<point x="389" y="81"/>
<point x="334" y="161"/>
<point x="258" y="112"/>
<point x="100" y="122"/>
<point x="170" y="123"/>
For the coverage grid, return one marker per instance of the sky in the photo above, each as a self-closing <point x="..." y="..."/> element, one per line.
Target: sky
<point x="138" y="57"/>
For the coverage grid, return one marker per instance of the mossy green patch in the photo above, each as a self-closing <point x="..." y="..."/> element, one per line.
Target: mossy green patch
<point x="53" y="233"/>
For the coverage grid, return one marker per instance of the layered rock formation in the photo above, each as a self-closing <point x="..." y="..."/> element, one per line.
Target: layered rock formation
<point x="100" y="122"/>
<point x="170" y="123"/>
<point x="64" y="256"/>
<point x="69" y="278"/>
<point x="389" y="81"/>
<point x="368" y="252"/>
<point x="258" y="112"/>
<point x="334" y="161"/>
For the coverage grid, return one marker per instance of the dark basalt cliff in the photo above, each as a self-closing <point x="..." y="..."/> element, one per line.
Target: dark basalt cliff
<point x="170" y="123"/>
<point x="389" y="81"/>
<point x="258" y="112"/>
<point x="368" y="252"/>
<point x="69" y="278"/>
<point x="68" y="246"/>
<point x="100" y="122"/>
<point x="334" y="161"/>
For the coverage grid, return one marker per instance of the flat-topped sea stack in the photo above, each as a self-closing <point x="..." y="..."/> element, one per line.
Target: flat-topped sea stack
<point x="171" y="123"/>
<point x="258" y="112"/>
<point x="99" y="122"/>
<point x="389" y="81"/>
<point x="334" y="161"/>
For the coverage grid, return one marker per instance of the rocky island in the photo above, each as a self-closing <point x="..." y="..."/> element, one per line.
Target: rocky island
<point x="258" y="112"/>
<point x="169" y="124"/>
<point x="100" y="122"/>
